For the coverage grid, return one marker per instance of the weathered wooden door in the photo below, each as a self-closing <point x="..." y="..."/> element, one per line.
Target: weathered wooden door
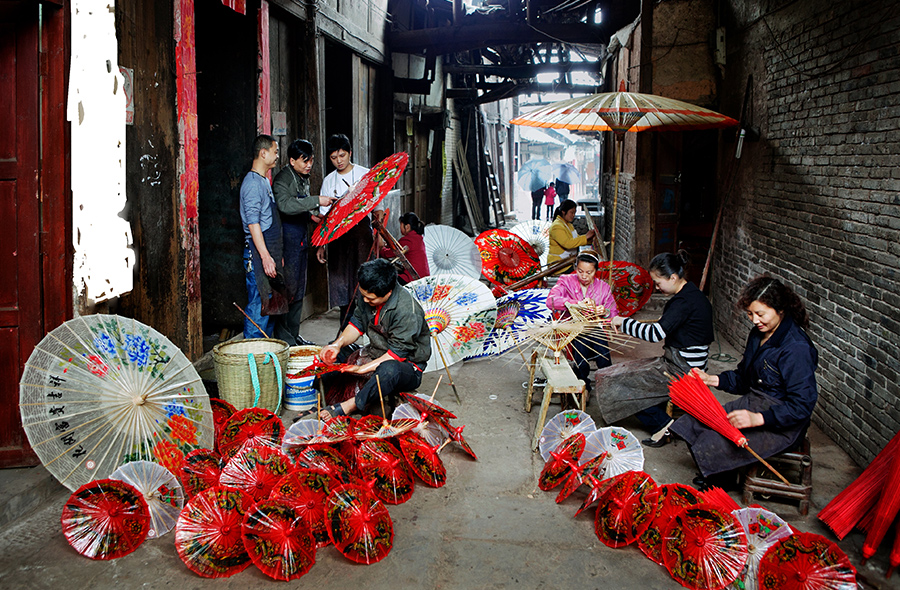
<point x="21" y="323"/>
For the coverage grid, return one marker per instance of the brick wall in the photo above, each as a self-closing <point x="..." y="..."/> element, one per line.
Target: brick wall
<point x="816" y="201"/>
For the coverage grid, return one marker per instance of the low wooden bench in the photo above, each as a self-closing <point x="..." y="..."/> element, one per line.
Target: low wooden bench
<point x="796" y="466"/>
<point x="560" y="380"/>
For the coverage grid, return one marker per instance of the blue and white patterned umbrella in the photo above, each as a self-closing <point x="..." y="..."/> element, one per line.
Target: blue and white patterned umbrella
<point x="516" y="313"/>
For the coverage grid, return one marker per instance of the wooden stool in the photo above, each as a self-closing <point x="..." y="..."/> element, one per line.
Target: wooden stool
<point x="795" y="466"/>
<point x="560" y="379"/>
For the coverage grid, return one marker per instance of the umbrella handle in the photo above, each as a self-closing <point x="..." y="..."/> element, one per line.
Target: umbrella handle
<point x="766" y="463"/>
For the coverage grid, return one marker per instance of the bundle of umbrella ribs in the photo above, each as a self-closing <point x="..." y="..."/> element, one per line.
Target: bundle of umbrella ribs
<point x="272" y="497"/>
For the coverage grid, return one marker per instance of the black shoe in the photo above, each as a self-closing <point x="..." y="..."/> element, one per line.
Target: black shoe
<point x="301" y="341"/>
<point x="666" y="439"/>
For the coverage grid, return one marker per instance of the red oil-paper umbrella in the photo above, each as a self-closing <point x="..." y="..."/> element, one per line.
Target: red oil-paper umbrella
<point x="359" y="524"/>
<point x="806" y="561"/>
<point x="506" y="258"/>
<point x="704" y="548"/>
<point x="362" y="198"/>
<point x="278" y="540"/>
<point x="255" y="470"/>
<point x="693" y="396"/>
<point x="885" y="510"/>
<point x="563" y="460"/>
<point x="105" y="519"/>
<point x="598" y="486"/>
<point x="201" y="470"/>
<point x="720" y="499"/>
<point x="250" y="427"/>
<point x="307" y="491"/>
<point x="222" y="411"/>
<point x="423" y="459"/>
<point x="429" y="409"/>
<point x="456" y="436"/>
<point x="625" y="509"/>
<point x="579" y="475"/>
<point x="324" y="460"/>
<point x="631" y="285"/>
<point x="671" y="499"/>
<point x="208" y="534"/>
<point x="382" y="465"/>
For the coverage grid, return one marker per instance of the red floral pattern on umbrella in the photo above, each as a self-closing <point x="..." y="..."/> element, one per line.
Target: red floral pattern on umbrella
<point x="208" y="534"/>
<point x="806" y="561"/>
<point x="324" y="460"/>
<point x="704" y="548"/>
<point x="278" y="540"/>
<point x="423" y="459"/>
<point x="347" y="211"/>
<point x="563" y="461"/>
<point x="632" y="286"/>
<point x="201" y="470"/>
<point x="359" y="524"/>
<point x="671" y="499"/>
<point x="105" y="519"/>
<point x="307" y="491"/>
<point x="380" y="463"/>
<point x="506" y="258"/>
<point x="255" y="470"/>
<point x="250" y="427"/>
<point x="626" y="509"/>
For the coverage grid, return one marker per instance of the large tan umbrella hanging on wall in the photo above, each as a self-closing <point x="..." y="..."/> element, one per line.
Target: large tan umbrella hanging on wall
<point x="621" y="112"/>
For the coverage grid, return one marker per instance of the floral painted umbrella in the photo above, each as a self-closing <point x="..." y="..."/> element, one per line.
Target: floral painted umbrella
<point x="347" y="211"/>
<point x="537" y="234"/>
<point x="763" y="529"/>
<point x="105" y="519"/>
<point x="381" y="463"/>
<point x="359" y="524"/>
<point x="307" y="491"/>
<point x="806" y="561"/>
<point x="623" y="450"/>
<point x="250" y="427"/>
<point x="201" y="470"/>
<point x="161" y="490"/>
<point x="101" y="390"/>
<point x="278" y="540"/>
<point x="631" y="285"/>
<point x="517" y="312"/>
<point x="460" y="312"/>
<point x="208" y="534"/>
<point x="565" y="424"/>
<point x="506" y="258"/>
<point x="672" y="497"/>
<point x="423" y="459"/>
<point x="255" y="470"/>
<point x="626" y="509"/>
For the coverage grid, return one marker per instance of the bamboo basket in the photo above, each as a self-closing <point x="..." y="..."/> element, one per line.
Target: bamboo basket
<point x="233" y="372"/>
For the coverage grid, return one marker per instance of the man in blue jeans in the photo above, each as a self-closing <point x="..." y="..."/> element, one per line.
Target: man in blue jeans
<point x="264" y="274"/>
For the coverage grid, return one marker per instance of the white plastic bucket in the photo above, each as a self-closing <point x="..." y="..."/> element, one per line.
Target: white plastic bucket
<point x="299" y="392"/>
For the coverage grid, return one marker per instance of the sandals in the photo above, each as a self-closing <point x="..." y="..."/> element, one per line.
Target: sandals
<point x="334" y="410"/>
<point x="304" y="414"/>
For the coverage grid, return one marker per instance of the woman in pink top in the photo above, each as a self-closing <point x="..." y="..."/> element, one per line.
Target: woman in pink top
<point x="578" y="287"/>
<point x="550" y="200"/>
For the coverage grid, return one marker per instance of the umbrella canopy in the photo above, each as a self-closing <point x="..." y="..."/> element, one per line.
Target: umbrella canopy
<point x="885" y="510"/>
<point x="704" y="548"/>
<point x="562" y="463"/>
<point x="566" y="173"/>
<point x="161" y="491"/>
<point x="278" y="540"/>
<point x="359" y="525"/>
<point x="806" y="561"/>
<point x="255" y="470"/>
<point x="763" y="529"/>
<point x="430" y="430"/>
<point x="299" y="433"/>
<point x="631" y="286"/>
<point x="222" y="411"/>
<point x="324" y="460"/>
<point x="382" y="464"/>
<point x="623" y="450"/>
<point x="537" y="234"/>
<point x="101" y="390"/>
<point x="626" y="509"/>
<point x="250" y="427"/>
<point x="517" y="313"/>
<point x="505" y="257"/>
<point x="208" y="534"/>
<point x="423" y="459"/>
<point x="429" y="409"/>
<point x="457" y="437"/>
<point x="562" y="426"/>
<point x="307" y="491"/>
<point x="201" y="470"/>
<point x="105" y="519"/>
<point x="451" y="252"/>
<point x="460" y="312"/>
<point x="671" y="498"/>
<point x="534" y="175"/>
<point x="357" y="202"/>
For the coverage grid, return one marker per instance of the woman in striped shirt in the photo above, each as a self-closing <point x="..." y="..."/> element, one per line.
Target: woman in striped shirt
<point x="685" y="327"/>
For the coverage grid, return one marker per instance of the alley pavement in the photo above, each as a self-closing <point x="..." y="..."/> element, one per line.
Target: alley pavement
<point x="488" y="527"/>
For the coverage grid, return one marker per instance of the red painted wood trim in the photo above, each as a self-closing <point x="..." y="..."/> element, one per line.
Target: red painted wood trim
<point x="263" y="102"/>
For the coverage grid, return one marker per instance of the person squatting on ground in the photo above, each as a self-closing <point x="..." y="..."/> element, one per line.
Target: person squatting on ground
<point x="564" y="238"/>
<point x="264" y="274"/>
<point x="577" y="288"/>
<point x="291" y="189"/>
<point x="776" y="380"/>
<point x="412" y="244"/>
<point x="399" y="339"/>
<point x="686" y="329"/>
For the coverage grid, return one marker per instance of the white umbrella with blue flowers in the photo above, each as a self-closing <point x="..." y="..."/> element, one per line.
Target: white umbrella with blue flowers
<point x="103" y="390"/>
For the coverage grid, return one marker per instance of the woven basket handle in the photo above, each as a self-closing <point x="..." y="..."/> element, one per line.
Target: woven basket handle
<point x="254" y="376"/>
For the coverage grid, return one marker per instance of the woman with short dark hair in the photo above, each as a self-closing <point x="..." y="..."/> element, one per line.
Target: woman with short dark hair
<point x="564" y="239"/>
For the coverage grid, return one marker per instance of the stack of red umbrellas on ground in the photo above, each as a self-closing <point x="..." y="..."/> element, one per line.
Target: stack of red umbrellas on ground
<point x="272" y="498"/>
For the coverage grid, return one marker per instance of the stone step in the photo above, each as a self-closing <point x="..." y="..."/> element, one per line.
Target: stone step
<point x="26" y="489"/>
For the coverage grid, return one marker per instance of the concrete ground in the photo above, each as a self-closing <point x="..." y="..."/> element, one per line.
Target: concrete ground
<point x="489" y="527"/>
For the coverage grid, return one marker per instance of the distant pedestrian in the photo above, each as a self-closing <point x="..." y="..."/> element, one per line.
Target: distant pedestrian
<point x="536" y="197"/>
<point x="550" y="200"/>
<point x="562" y="189"/>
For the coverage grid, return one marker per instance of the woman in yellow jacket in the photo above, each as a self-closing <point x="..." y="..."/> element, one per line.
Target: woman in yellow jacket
<point x="564" y="239"/>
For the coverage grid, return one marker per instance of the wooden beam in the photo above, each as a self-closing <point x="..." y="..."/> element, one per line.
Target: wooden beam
<point x="457" y="38"/>
<point x="524" y="71"/>
<point x="509" y="89"/>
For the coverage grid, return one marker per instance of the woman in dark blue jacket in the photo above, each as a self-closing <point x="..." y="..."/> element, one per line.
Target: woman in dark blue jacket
<point x="775" y="379"/>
